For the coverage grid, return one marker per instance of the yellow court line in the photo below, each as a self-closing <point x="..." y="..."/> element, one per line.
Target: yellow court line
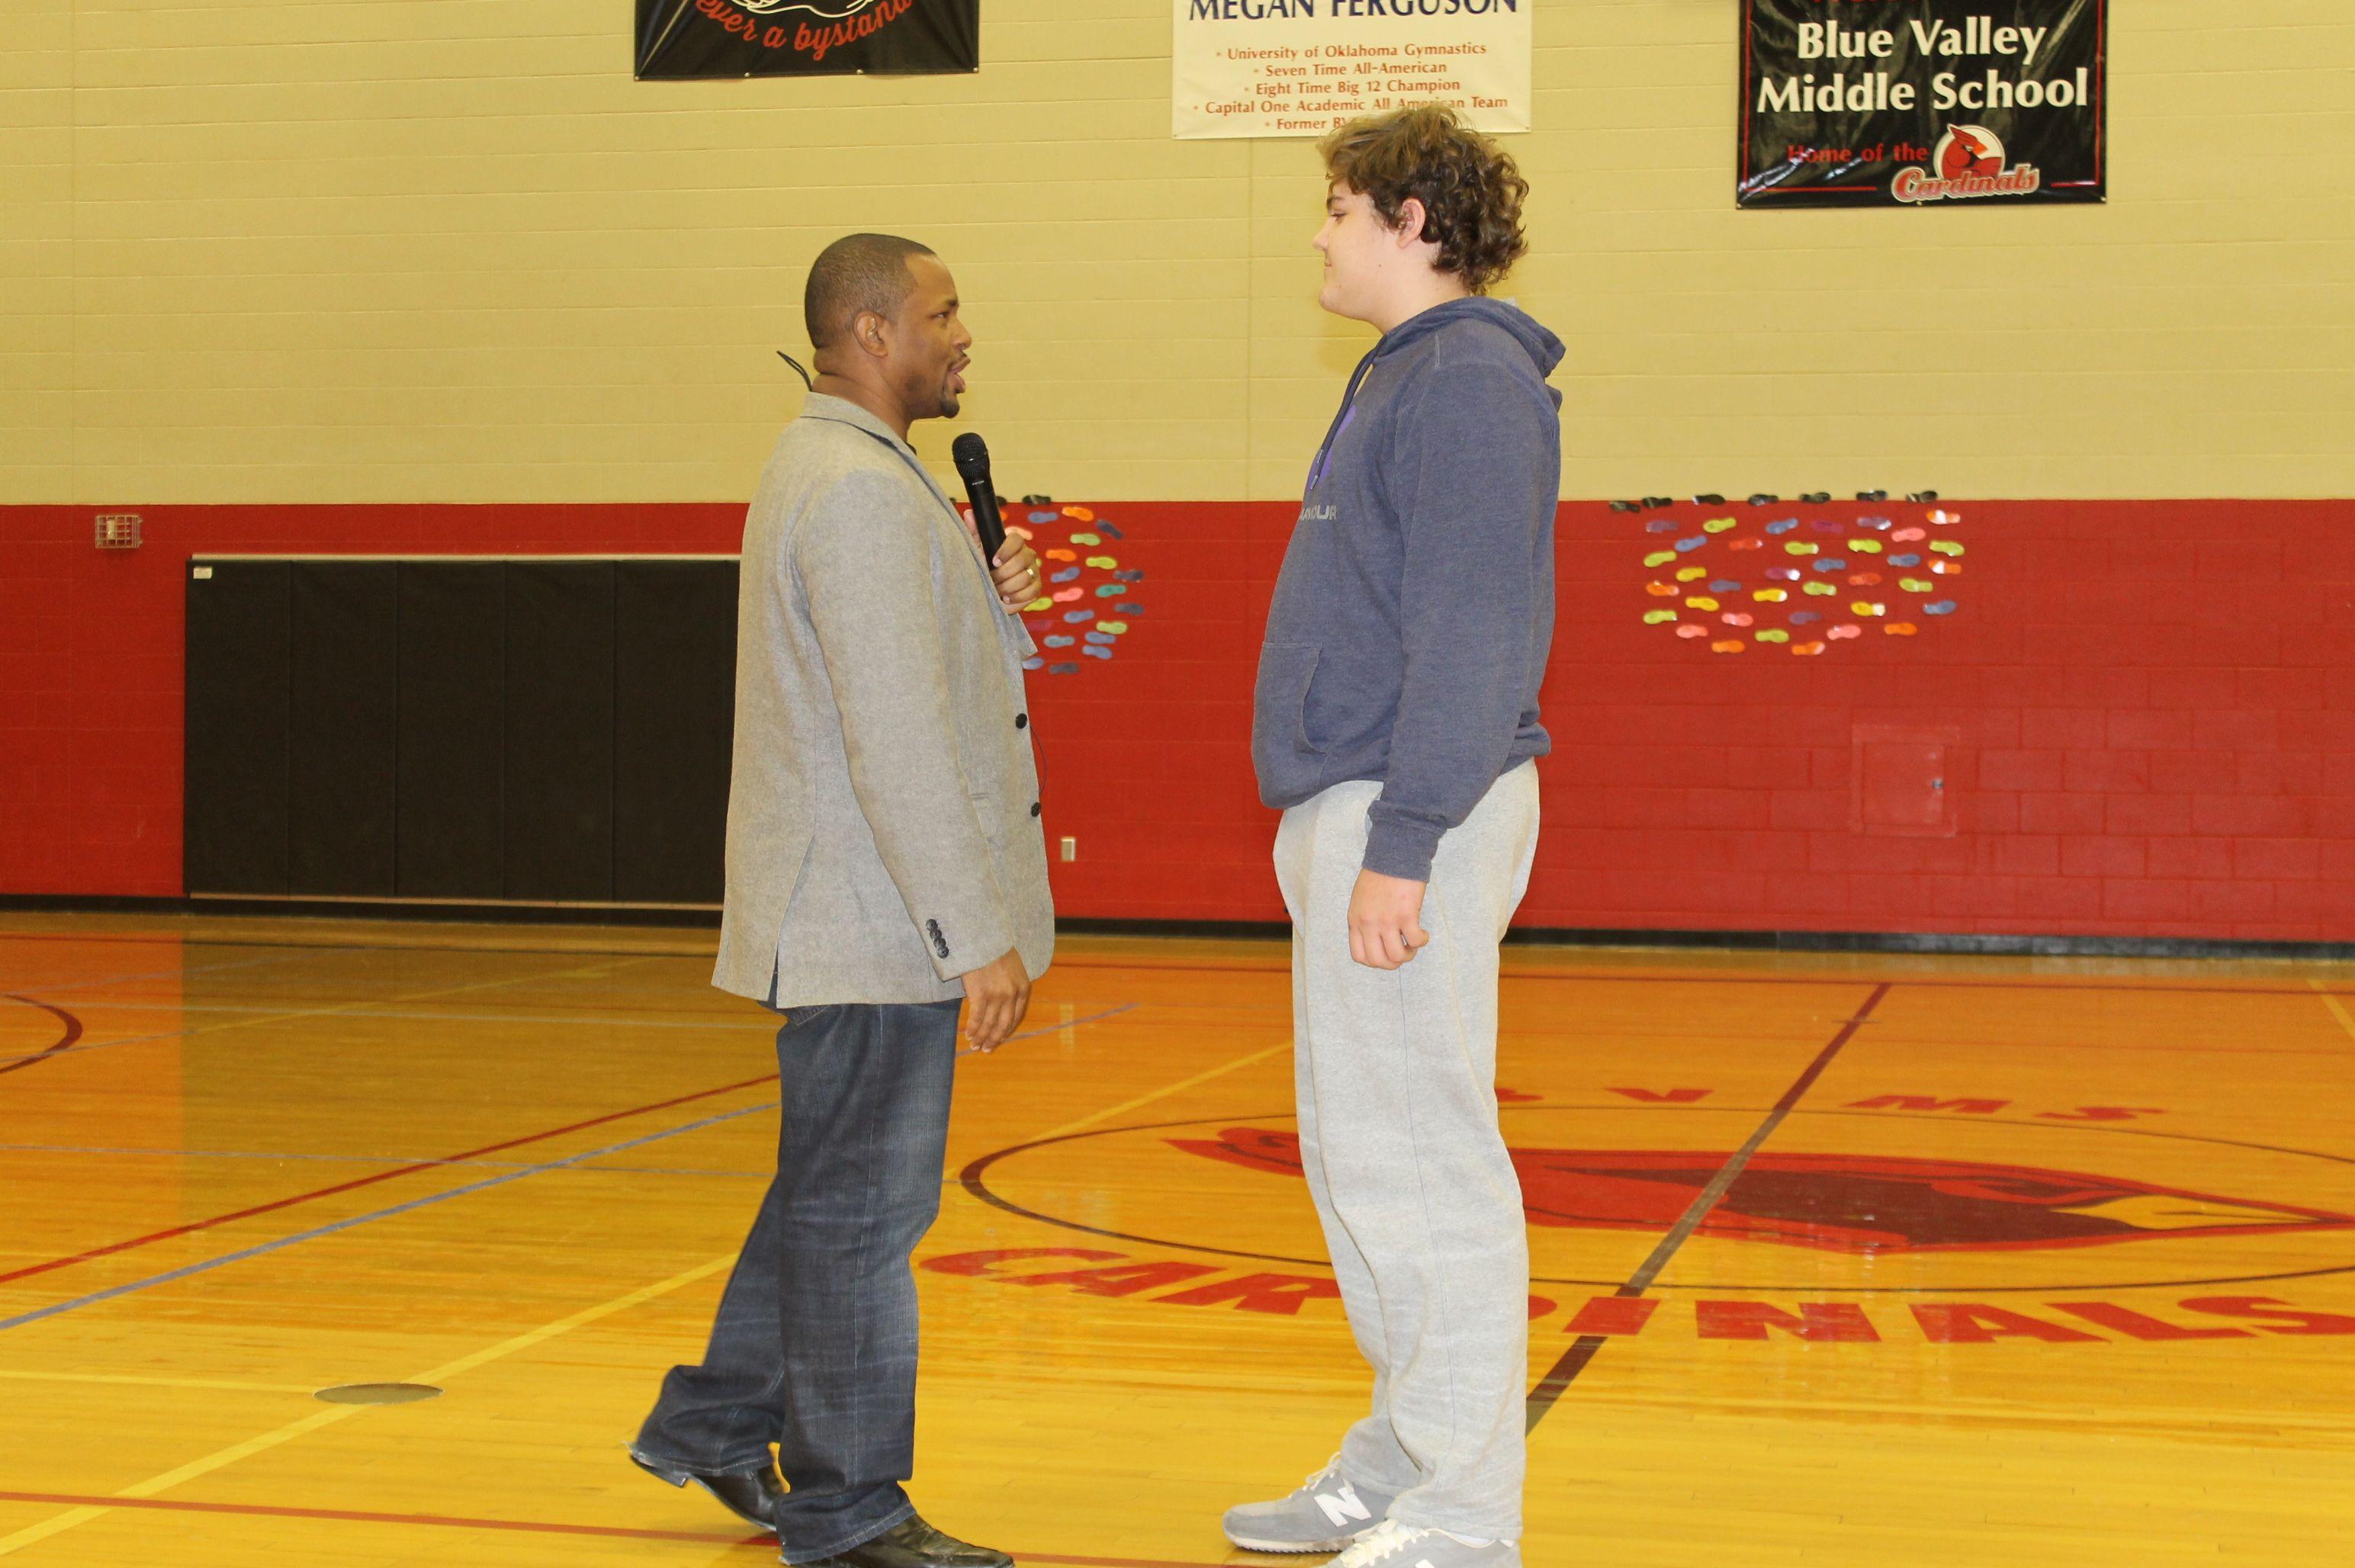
<point x="1105" y="1116"/>
<point x="2337" y="1008"/>
<point x="221" y="1458"/>
<point x="156" y="1383"/>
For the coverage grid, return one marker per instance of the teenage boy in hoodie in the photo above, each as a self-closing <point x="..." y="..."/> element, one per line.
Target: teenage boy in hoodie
<point x="1395" y="724"/>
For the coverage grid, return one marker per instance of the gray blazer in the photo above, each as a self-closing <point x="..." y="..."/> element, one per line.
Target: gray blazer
<point x="883" y="832"/>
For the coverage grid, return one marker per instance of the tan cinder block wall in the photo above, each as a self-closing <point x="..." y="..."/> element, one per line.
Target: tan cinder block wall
<point x="355" y="250"/>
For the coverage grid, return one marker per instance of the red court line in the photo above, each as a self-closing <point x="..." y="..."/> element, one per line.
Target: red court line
<point x="72" y="1033"/>
<point x="538" y="1527"/>
<point x="1910" y="981"/>
<point x="370" y="1180"/>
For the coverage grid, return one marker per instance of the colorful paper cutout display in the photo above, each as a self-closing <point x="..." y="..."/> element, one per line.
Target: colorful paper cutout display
<point x="1854" y="545"/>
<point x="1068" y="540"/>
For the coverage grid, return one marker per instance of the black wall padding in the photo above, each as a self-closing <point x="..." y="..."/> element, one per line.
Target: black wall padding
<point x="234" y="826"/>
<point x="345" y="660"/>
<point x="559" y="808"/>
<point x="674" y="713"/>
<point x="453" y="731"/>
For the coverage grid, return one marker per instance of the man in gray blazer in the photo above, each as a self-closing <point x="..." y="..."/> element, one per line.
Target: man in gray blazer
<point x="885" y="865"/>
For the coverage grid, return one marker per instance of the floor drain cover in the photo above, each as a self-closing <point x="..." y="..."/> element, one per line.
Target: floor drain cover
<point x="379" y="1394"/>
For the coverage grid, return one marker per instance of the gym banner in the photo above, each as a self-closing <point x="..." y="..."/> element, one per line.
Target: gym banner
<point x="683" y="39"/>
<point x="1302" y="68"/>
<point x="1922" y="103"/>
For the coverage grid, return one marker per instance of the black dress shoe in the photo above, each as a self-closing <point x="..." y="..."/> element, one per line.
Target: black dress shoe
<point x="751" y="1498"/>
<point x="913" y="1543"/>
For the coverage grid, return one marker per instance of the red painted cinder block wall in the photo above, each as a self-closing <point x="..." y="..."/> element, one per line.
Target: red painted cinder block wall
<point x="2151" y="704"/>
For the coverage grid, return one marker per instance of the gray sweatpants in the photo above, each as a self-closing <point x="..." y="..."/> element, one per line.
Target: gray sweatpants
<point x="1397" y="1081"/>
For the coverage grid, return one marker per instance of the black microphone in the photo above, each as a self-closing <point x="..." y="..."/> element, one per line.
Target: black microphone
<point x="971" y="455"/>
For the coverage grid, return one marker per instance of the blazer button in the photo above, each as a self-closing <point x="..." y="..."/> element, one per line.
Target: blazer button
<point x="1035" y="808"/>
<point x="1022" y="720"/>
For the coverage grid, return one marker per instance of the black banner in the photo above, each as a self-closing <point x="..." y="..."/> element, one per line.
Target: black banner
<point x="1922" y="103"/>
<point x="683" y="39"/>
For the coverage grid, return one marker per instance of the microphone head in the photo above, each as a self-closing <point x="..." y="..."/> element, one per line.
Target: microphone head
<point x="971" y="455"/>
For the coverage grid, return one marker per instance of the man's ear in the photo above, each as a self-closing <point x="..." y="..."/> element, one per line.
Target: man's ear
<point x="1411" y="217"/>
<point x="867" y="333"/>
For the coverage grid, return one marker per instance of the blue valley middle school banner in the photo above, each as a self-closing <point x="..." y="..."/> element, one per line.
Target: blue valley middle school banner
<point x="680" y="38"/>
<point x="1922" y="103"/>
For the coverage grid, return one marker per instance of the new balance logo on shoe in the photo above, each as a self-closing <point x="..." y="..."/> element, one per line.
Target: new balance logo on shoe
<point x="1342" y="1508"/>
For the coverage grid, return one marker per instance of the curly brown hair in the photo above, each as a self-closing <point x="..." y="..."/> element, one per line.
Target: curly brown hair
<point x="1470" y="191"/>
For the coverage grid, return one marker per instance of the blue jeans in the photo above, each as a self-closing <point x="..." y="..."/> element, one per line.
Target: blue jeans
<point x="814" y="1346"/>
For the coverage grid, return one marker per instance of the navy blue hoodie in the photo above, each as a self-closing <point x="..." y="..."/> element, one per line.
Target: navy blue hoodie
<point x="1411" y="622"/>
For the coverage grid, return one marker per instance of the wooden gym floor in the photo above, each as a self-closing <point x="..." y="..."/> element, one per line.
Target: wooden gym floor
<point x="2008" y="1262"/>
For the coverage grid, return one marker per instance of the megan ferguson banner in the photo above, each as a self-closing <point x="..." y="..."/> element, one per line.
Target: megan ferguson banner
<point x="682" y="39"/>
<point x="1922" y="103"/>
<point x="1302" y="68"/>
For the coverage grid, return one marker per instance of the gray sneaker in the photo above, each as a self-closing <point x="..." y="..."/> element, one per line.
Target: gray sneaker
<point x="1396" y="1545"/>
<point x="1324" y="1515"/>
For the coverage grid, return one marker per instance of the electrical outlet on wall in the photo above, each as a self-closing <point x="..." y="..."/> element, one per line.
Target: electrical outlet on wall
<point x="1070" y="850"/>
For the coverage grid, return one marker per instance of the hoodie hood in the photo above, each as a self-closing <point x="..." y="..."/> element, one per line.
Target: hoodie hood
<point x="1544" y="349"/>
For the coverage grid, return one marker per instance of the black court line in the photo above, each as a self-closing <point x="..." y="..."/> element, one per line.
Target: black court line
<point x="64" y="1042"/>
<point x="1574" y="1360"/>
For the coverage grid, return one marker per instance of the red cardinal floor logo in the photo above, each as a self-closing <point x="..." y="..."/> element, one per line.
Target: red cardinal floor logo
<point x="1844" y="1203"/>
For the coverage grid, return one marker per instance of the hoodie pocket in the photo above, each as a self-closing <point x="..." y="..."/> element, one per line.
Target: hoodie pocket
<point x="1280" y="705"/>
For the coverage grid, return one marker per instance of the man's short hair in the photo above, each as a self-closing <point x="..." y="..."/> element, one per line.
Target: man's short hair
<point x="1470" y="191"/>
<point x="857" y="272"/>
